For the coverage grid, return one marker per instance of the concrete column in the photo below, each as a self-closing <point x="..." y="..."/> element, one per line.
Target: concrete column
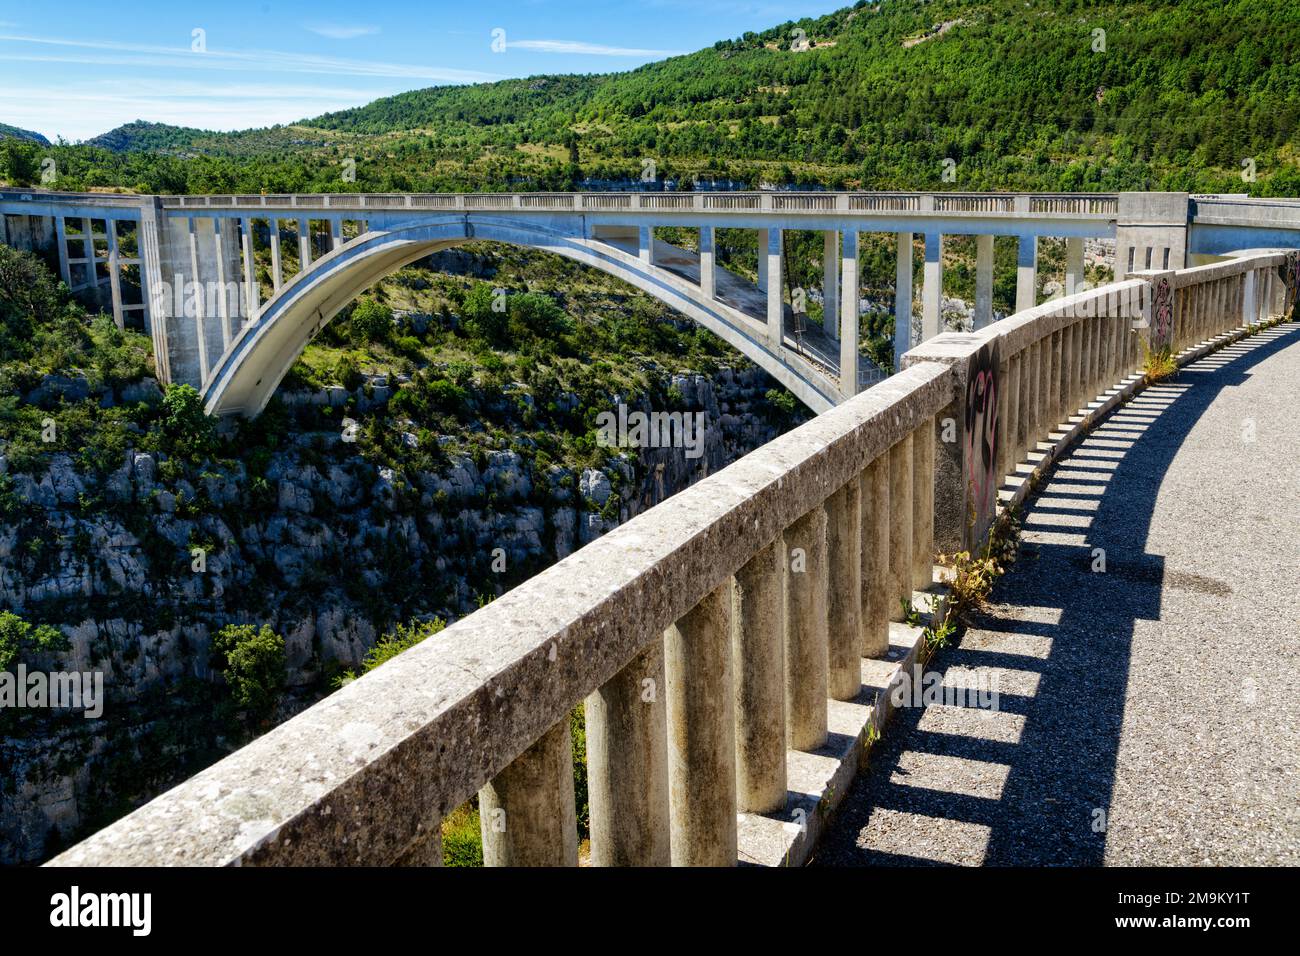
<point x="1055" y="402"/>
<point x="1027" y="273"/>
<point x="1073" y="264"/>
<point x="983" y="281"/>
<point x="831" y="282"/>
<point x="277" y="267"/>
<point x="526" y="814"/>
<point x="902" y="298"/>
<point x="199" y="304"/>
<point x="806" y="640"/>
<point x="252" y="294"/>
<point x="88" y="250"/>
<point x="4" y="230"/>
<point x="708" y="263"/>
<point x="849" y="316"/>
<point x="1046" y="408"/>
<point x="923" y="440"/>
<point x="702" y="734"/>
<point x="1249" y="297"/>
<point x="1033" y="372"/>
<point x="775" y="300"/>
<point x="646" y="244"/>
<point x="61" y="240"/>
<point x="932" y="290"/>
<point x="336" y="233"/>
<point x="304" y="245"/>
<point x="758" y="661"/>
<point x="114" y="273"/>
<point x="900" y="527"/>
<point x="763" y="242"/>
<point x="627" y="765"/>
<point x="844" y="591"/>
<point x="876" y="596"/>
<point x="223" y="303"/>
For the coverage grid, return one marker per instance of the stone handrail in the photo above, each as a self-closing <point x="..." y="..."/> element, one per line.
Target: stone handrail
<point x="705" y="636"/>
<point x="1092" y="206"/>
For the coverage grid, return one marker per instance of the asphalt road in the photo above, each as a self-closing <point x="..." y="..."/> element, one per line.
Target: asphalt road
<point x="1147" y="713"/>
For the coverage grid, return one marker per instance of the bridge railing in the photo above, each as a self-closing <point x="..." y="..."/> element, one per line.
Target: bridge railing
<point x="705" y="636"/>
<point x="1008" y="204"/>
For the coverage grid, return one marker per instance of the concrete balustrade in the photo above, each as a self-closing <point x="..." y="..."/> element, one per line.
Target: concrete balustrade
<point x="806" y="632"/>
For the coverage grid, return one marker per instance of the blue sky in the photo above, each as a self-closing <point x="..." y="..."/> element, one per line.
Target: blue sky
<point x="78" y="69"/>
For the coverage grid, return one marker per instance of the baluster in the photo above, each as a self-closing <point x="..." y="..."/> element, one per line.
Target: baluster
<point x="876" y="596"/>
<point x="806" y="650"/>
<point x="900" y="528"/>
<point x="844" y="592"/>
<point x="627" y="765"/>
<point x="758" y="659"/>
<point x="702" y="734"/>
<point x="526" y="813"/>
<point x="923" y="439"/>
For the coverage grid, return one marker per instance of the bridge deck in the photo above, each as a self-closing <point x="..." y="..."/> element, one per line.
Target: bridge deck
<point x="1157" y="691"/>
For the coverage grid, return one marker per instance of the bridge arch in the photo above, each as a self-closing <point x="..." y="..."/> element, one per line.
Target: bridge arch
<point x="247" y="374"/>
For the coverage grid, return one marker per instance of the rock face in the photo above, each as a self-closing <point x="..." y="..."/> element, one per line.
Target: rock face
<point x="330" y="553"/>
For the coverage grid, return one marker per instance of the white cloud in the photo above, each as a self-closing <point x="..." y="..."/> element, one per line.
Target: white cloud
<point x="109" y="53"/>
<point x="340" y="31"/>
<point x="588" y="49"/>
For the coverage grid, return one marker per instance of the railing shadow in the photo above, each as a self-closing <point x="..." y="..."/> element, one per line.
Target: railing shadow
<point x="1030" y="782"/>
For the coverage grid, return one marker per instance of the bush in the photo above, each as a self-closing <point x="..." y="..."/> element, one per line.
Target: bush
<point x="253" y="663"/>
<point x="18" y="636"/>
<point x="371" y="321"/>
<point x="189" y="432"/>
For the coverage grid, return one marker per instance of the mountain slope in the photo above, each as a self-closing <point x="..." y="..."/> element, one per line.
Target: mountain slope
<point x="15" y="132"/>
<point x="994" y="94"/>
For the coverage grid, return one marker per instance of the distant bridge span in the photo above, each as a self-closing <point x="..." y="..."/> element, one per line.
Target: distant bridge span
<point x="223" y="337"/>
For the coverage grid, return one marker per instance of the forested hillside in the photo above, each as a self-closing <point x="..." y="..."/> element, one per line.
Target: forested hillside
<point x="1052" y="94"/>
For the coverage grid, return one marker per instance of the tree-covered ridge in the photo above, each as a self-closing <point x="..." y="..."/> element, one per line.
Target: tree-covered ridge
<point x="7" y="131"/>
<point x="1018" y="95"/>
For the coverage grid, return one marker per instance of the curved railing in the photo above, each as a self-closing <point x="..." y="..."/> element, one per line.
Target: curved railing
<point x="707" y="636"/>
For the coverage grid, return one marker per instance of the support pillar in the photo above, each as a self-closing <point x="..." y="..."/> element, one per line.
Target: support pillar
<point x="849" y="316"/>
<point x="61" y="239"/>
<point x="114" y="273"/>
<point x="932" y="290"/>
<point x="763" y="241"/>
<point x="199" y="304"/>
<point x="806" y="651"/>
<point x="831" y="282"/>
<point x="646" y="244"/>
<point x="902" y="298"/>
<point x="526" y="814"/>
<point x="252" y="294"/>
<point x="304" y="245"/>
<point x="336" y="233"/>
<point x="983" y="281"/>
<point x="758" y="660"/>
<point x="277" y="267"/>
<point x="708" y="263"/>
<point x="627" y="765"/>
<point x="1073" y="264"/>
<point x="223" y="301"/>
<point x="702" y="734"/>
<point x="1027" y="273"/>
<point x="775" y="300"/>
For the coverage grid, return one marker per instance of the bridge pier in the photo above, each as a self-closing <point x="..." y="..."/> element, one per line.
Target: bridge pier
<point x="983" y="281"/>
<point x="902" y="298"/>
<point x="772" y="268"/>
<point x="932" y="290"/>
<point x="1073" y="264"/>
<point x="849" y="318"/>
<point x="1027" y="273"/>
<point x="708" y="263"/>
<point x="831" y="283"/>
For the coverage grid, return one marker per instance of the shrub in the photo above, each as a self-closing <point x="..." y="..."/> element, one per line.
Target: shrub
<point x="252" y="661"/>
<point x="17" y="636"/>
<point x="189" y="432"/>
<point x="371" y="321"/>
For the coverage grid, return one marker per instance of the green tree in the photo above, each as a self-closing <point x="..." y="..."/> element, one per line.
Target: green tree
<point x="252" y="661"/>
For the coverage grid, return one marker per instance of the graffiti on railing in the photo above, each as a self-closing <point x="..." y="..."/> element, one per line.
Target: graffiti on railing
<point x="1162" y="315"/>
<point x="982" y="434"/>
<point x="1291" y="276"/>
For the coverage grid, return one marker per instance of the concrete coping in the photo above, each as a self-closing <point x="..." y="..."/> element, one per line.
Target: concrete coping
<point x="365" y="775"/>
